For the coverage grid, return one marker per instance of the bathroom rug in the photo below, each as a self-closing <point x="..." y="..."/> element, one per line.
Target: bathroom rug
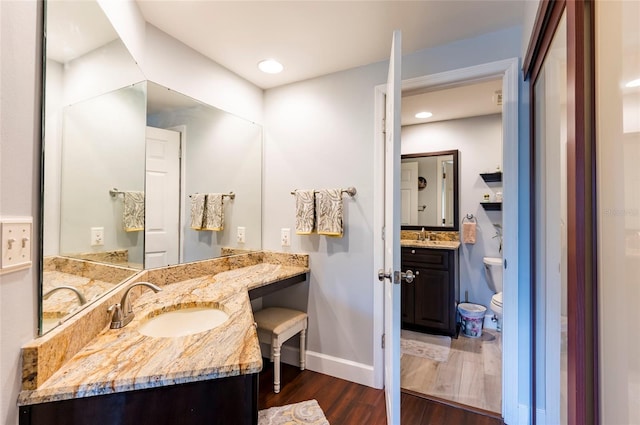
<point x="434" y="347"/>
<point x="304" y="413"/>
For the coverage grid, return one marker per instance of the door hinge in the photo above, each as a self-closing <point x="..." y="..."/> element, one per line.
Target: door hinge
<point x="382" y="341"/>
<point x="384" y="231"/>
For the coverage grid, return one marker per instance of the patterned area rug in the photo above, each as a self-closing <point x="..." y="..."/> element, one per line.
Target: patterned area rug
<point x="434" y="347"/>
<point x="304" y="413"/>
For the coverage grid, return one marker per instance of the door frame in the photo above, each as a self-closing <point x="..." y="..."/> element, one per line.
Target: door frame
<point x="182" y="129"/>
<point x="508" y="70"/>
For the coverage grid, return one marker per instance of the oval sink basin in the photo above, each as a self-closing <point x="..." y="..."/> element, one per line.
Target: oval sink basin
<point x="183" y="322"/>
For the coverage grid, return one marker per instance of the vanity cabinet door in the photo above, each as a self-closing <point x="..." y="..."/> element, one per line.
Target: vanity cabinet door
<point x="429" y="303"/>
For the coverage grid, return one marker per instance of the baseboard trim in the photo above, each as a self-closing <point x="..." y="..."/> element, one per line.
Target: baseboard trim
<point x="329" y="365"/>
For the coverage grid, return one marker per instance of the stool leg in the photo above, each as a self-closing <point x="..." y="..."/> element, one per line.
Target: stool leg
<point x="276" y="366"/>
<point x="303" y="350"/>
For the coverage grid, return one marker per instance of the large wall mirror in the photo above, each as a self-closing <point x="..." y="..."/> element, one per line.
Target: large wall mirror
<point x="429" y="191"/>
<point x="123" y="159"/>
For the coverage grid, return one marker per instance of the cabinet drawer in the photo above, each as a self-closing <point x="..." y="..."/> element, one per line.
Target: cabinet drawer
<point x="426" y="257"/>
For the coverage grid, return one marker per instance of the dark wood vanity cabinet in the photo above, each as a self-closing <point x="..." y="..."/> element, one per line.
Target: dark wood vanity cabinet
<point x="223" y="401"/>
<point x="429" y="303"/>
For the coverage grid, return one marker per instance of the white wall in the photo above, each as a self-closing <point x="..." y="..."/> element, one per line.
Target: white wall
<point x="19" y="184"/>
<point x="319" y="133"/>
<point x="479" y="140"/>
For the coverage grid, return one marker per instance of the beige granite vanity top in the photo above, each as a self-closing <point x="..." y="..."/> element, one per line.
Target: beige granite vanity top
<point x="411" y="243"/>
<point x="123" y="359"/>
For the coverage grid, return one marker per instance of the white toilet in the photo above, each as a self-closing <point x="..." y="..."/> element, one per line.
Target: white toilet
<point x="493" y="272"/>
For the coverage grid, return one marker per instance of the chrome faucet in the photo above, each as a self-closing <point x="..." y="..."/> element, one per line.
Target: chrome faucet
<point x="81" y="297"/>
<point x="120" y="319"/>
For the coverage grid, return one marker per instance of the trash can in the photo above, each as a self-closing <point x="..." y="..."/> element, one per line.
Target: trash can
<point x="471" y="319"/>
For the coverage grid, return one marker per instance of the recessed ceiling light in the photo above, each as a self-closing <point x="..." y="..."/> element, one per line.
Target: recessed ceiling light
<point x="270" y="66"/>
<point x="633" y="83"/>
<point x="424" y="114"/>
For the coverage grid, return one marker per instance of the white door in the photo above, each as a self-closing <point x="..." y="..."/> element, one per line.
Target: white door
<point x="409" y="193"/>
<point x="162" y="198"/>
<point x="392" y="235"/>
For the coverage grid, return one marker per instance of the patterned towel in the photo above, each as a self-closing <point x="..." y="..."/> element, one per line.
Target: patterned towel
<point x="197" y="210"/>
<point x="329" y="212"/>
<point x="213" y="212"/>
<point x="305" y="212"/>
<point x="133" y="213"/>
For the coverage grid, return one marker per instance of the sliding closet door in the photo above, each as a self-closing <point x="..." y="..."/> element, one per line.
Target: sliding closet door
<point x="550" y="218"/>
<point x="618" y="180"/>
<point x="559" y="66"/>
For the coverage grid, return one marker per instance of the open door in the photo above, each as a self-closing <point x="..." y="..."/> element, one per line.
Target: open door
<point x="391" y="275"/>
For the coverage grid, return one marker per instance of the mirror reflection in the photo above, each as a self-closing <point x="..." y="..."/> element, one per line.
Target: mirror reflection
<point x="429" y="191"/>
<point x="123" y="160"/>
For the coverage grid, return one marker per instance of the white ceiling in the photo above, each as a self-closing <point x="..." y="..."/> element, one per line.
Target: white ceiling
<point x="313" y="38"/>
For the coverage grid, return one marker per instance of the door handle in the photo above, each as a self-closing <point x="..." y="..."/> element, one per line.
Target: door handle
<point x="408" y="276"/>
<point x="396" y="277"/>
<point x="382" y="275"/>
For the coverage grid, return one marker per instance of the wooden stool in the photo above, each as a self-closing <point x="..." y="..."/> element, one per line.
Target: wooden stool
<point x="275" y="326"/>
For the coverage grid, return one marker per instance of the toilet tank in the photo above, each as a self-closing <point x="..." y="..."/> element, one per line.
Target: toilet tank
<point x="493" y="273"/>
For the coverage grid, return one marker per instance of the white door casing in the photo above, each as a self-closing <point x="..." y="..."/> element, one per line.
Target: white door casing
<point x="409" y="193"/>
<point x="392" y="234"/>
<point x="162" y="198"/>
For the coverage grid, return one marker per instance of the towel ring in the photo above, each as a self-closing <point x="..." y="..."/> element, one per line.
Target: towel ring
<point x="469" y="218"/>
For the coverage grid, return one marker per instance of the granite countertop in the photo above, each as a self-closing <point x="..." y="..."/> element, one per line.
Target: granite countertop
<point x="120" y="360"/>
<point x="412" y="243"/>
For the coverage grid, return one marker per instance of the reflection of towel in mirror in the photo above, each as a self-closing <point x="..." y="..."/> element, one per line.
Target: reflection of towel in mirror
<point x="197" y="210"/>
<point x="213" y="212"/>
<point x="133" y="212"/>
<point x="305" y="212"/>
<point x="469" y="233"/>
<point x="329" y="212"/>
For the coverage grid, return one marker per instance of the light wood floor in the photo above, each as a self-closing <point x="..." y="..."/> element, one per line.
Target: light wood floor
<point x="471" y="376"/>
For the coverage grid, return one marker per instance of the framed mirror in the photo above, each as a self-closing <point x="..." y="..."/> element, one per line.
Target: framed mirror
<point x="429" y="191"/>
<point x="107" y="210"/>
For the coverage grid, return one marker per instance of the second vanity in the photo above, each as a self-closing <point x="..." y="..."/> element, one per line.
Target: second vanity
<point x="122" y="376"/>
<point x="429" y="303"/>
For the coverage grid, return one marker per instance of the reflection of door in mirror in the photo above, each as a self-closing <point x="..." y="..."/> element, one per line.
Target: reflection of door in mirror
<point x="162" y="198"/>
<point x="409" y="192"/>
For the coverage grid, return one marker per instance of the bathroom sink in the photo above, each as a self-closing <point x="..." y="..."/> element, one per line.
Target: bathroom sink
<point x="182" y="322"/>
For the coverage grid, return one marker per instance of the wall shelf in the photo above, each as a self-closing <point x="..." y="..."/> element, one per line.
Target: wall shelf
<point x="492" y="206"/>
<point x="492" y="177"/>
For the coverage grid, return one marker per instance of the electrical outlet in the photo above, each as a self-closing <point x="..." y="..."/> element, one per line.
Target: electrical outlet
<point x="241" y="234"/>
<point x="97" y="236"/>
<point x="285" y="237"/>
<point x="16" y="244"/>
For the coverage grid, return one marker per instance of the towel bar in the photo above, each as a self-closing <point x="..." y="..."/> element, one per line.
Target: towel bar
<point x="351" y="191"/>
<point x="228" y="195"/>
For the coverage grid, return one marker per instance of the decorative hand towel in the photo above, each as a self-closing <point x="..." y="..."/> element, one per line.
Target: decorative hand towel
<point x="133" y="213"/>
<point x="213" y="212"/>
<point x="305" y="212"/>
<point x="469" y="232"/>
<point x="197" y="210"/>
<point x="329" y="212"/>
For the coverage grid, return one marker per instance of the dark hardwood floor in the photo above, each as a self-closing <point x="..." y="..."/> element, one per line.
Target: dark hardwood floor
<point x="346" y="403"/>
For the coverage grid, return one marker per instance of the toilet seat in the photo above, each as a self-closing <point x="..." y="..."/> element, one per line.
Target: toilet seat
<point x="496" y="303"/>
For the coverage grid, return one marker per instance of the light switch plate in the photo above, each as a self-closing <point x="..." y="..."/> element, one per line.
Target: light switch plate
<point x="16" y="243"/>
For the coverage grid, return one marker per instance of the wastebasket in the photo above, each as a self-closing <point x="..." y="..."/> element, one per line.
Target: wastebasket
<point x="471" y="319"/>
